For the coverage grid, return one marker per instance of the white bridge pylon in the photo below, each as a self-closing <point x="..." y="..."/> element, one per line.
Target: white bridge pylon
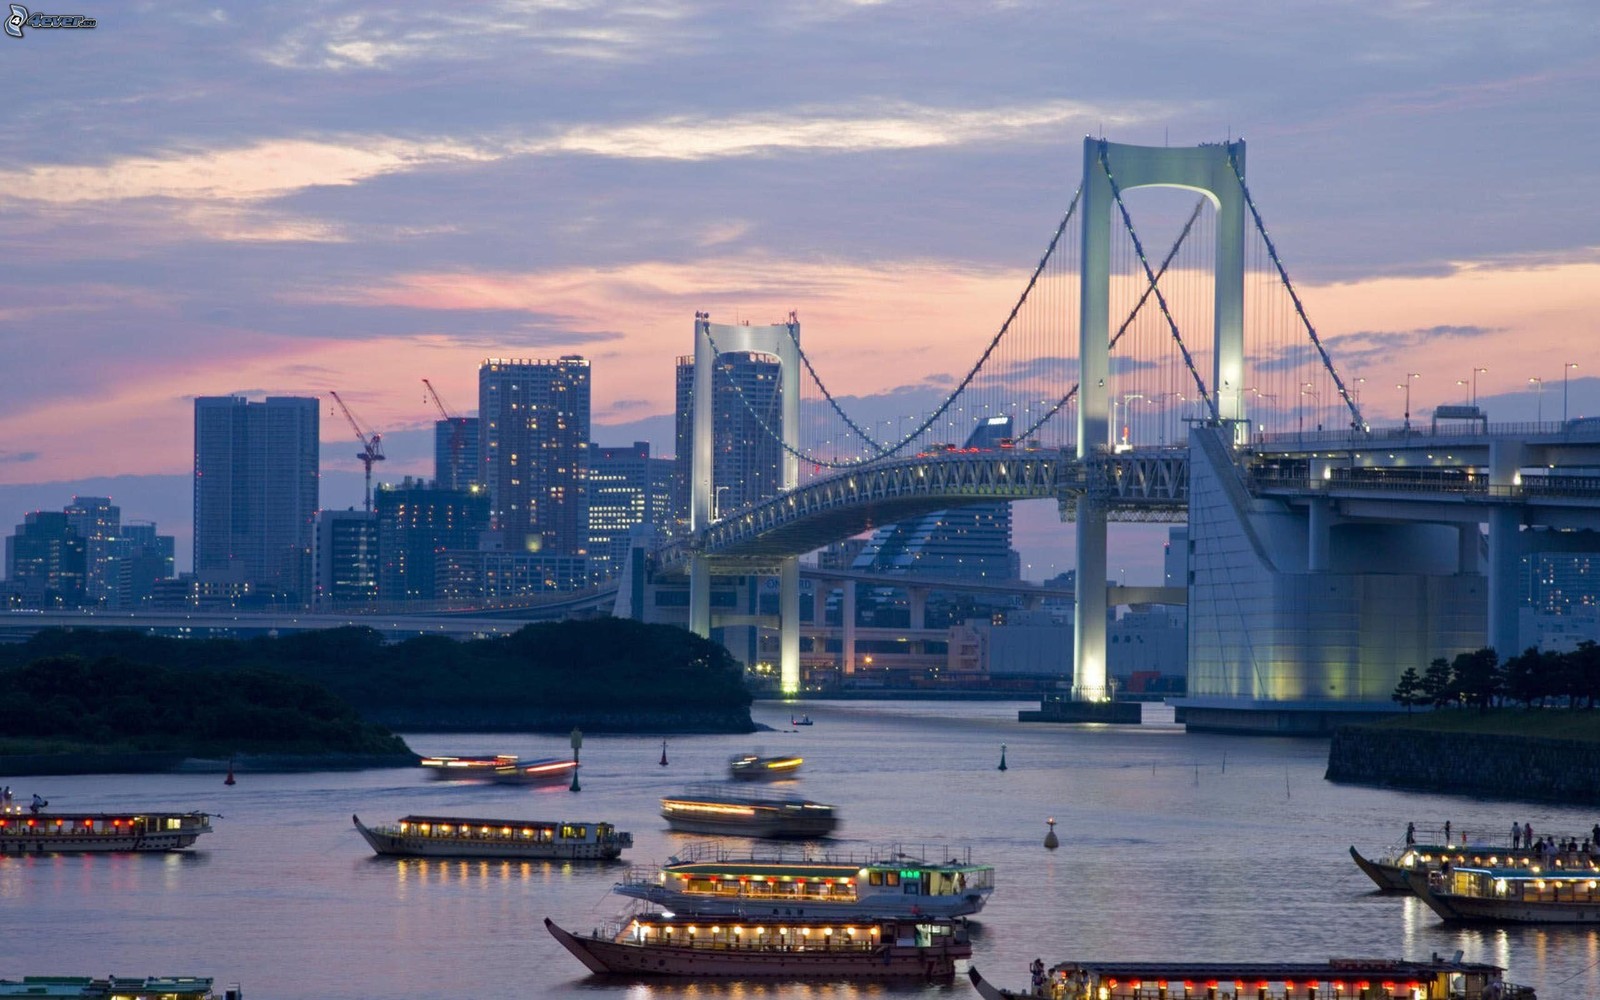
<point x="783" y="341"/>
<point x="1209" y="170"/>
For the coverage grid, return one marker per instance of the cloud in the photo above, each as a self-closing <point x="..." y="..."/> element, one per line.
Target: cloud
<point x="11" y="457"/>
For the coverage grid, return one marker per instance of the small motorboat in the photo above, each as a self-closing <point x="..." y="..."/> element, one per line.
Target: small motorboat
<point x="751" y="767"/>
<point x="804" y="720"/>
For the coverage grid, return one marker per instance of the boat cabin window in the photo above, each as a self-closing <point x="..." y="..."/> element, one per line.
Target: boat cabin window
<point x="891" y="878"/>
<point x="875" y="878"/>
<point x="571" y="832"/>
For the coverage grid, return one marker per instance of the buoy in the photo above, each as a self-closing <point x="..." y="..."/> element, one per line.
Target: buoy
<point x="663" y="753"/>
<point x="229" y="779"/>
<point x="1050" y="841"/>
<point x="1002" y="757"/>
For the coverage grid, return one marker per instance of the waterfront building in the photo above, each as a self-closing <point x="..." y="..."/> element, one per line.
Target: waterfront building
<point x="747" y="403"/>
<point x="533" y="446"/>
<point x="1560" y="582"/>
<point x="255" y="492"/>
<point x="138" y="560"/>
<point x="46" y="561"/>
<point x="624" y="484"/>
<point x="415" y="523"/>
<point x="477" y="578"/>
<point x="455" y="452"/>
<point x="344" y="557"/>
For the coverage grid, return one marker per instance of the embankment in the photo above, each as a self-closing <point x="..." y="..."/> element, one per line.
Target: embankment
<point x="1496" y="765"/>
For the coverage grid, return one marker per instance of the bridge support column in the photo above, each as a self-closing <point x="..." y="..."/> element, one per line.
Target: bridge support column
<point x="789" y="624"/>
<point x="917" y="604"/>
<point x="1505" y="557"/>
<point x="1089" y="617"/>
<point x="847" y="629"/>
<point x="700" y="596"/>
<point x="1470" y="550"/>
<point x="1319" y="530"/>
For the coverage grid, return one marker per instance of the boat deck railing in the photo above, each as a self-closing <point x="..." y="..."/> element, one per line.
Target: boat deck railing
<point x="928" y="855"/>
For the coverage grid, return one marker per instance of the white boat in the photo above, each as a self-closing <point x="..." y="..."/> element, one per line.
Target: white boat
<point x="836" y="885"/>
<point x="117" y="988"/>
<point x="751" y="767"/>
<point x="742" y="812"/>
<point x="462" y="837"/>
<point x="455" y="768"/>
<point x="31" y="831"/>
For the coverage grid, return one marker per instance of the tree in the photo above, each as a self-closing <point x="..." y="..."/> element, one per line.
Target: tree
<point x="1477" y="677"/>
<point x="1436" y="683"/>
<point x="1522" y="677"/>
<point x="1409" y="691"/>
<point x="1585" y="661"/>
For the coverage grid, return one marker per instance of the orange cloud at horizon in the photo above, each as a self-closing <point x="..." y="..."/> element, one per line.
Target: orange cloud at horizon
<point x="869" y="328"/>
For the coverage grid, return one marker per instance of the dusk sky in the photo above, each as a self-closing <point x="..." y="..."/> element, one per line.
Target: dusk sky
<point x="289" y="198"/>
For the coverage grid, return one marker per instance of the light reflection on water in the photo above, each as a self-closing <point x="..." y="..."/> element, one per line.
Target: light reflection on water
<point x="1173" y="846"/>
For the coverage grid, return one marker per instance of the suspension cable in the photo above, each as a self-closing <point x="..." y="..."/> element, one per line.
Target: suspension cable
<point x="1161" y="300"/>
<point x="1272" y="252"/>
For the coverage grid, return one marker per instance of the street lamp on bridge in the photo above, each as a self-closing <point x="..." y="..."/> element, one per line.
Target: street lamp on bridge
<point x="1538" y="395"/>
<point x="1565" y="369"/>
<point x="1475" y="372"/>
<point x="1407" y="387"/>
<point x="1300" y="411"/>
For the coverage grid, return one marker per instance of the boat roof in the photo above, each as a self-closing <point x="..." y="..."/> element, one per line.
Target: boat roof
<point x="740" y="794"/>
<point x="475" y="821"/>
<point x="814" y="867"/>
<point x="1524" y="875"/>
<point x="1335" y="968"/>
<point x="75" y="817"/>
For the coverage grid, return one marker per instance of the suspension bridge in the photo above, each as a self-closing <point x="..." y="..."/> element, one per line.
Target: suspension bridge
<point x="1150" y="362"/>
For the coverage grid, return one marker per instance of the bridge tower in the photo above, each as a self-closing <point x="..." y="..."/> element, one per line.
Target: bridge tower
<point x="782" y="341"/>
<point x="1209" y="170"/>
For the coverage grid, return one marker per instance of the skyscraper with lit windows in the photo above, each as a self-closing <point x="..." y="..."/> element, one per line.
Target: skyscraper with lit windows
<point x="533" y="447"/>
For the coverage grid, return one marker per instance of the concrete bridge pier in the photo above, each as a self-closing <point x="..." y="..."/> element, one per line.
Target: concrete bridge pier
<point x="1089" y="616"/>
<point x="847" y="629"/>
<point x="789" y="624"/>
<point x="1506" y="459"/>
<point x="700" y="596"/>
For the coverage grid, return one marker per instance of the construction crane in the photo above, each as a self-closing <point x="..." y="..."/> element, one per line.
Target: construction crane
<point x="456" y="440"/>
<point x="371" y="445"/>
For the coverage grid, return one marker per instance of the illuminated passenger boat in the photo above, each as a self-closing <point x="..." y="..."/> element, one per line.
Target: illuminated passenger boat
<point x="753" y="768"/>
<point x="1507" y="896"/>
<point x="1389" y="872"/>
<point x="545" y="771"/>
<point x="116" y="988"/>
<point x="456" y="837"/>
<point x="747" y="948"/>
<point x="1336" y="979"/>
<point x="83" y="833"/>
<point x="466" y="767"/>
<point x="837" y="886"/>
<point x="722" y="810"/>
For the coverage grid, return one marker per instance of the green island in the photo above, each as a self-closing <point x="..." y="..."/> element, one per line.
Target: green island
<point x="1526" y="728"/>
<point x="338" y="696"/>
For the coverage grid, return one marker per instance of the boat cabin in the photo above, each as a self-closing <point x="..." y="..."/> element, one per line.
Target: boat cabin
<point x="825" y="880"/>
<point x="1512" y="886"/>
<point x="447" y="828"/>
<point x="724" y="934"/>
<point x="1336" y="979"/>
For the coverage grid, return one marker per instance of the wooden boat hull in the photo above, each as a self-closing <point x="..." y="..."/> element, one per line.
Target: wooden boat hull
<point x="1387" y="877"/>
<point x="889" y="961"/>
<point x="390" y="844"/>
<point x="1455" y="908"/>
<point x="47" y="833"/>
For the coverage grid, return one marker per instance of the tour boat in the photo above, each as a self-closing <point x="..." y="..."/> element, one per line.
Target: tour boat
<point x="117" y="988"/>
<point x="804" y="720"/>
<point x="1389" y="872"/>
<point x="1336" y="979"/>
<point x="761" y="947"/>
<point x="30" y="832"/>
<point x="718" y="809"/>
<point x="1509" y="896"/>
<point x="466" y="767"/>
<point x="545" y="771"/>
<point x="834" y="885"/>
<point x="457" y="837"/>
<point x="753" y="768"/>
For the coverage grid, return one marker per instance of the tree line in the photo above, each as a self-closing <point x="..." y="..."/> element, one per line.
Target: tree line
<point x="1532" y="678"/>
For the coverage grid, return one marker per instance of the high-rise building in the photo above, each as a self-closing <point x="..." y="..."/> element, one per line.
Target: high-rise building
<point x="46" y="563"/>
<point x="533" y="446"/>
<point x="416" y="523"/>
<point x="455" y="452"/>
<point x="97" y="521"/>
<point x="747" y="459"/>
<point x="255" y="492"/>
<point x="139" y="560"/>
<point x="344" y="558"/>
<point x="969" y="543"/>
<point x="625" y="489"/>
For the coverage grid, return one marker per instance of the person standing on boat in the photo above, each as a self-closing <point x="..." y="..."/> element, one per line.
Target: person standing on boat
<point x="1527" y="835"/>
<point x="1447" y="833"/>
<point x="1037" y="968"/>
<point x="1411" y="834"/>
<point x="1516" y="836"/>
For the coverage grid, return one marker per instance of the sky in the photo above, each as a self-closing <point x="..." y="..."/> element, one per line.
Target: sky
<point x="288" y="198"/>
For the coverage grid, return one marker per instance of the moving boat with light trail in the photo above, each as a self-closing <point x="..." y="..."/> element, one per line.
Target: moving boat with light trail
<point x="751" y="767"/>
<point x="458" y="837"/>
<point x="455" y="768"/>
<point x="660" y="944"/>
<point x="721" y="809"/>
<point x="709" y="882"/>
<point x="1349" y="978"/>
<point x="545" y="771"/>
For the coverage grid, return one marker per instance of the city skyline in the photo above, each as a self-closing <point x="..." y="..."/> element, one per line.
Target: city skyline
<point x="297" y="203"/>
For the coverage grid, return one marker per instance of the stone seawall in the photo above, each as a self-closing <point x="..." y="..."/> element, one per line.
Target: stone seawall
<point x="1508" y="767"/>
